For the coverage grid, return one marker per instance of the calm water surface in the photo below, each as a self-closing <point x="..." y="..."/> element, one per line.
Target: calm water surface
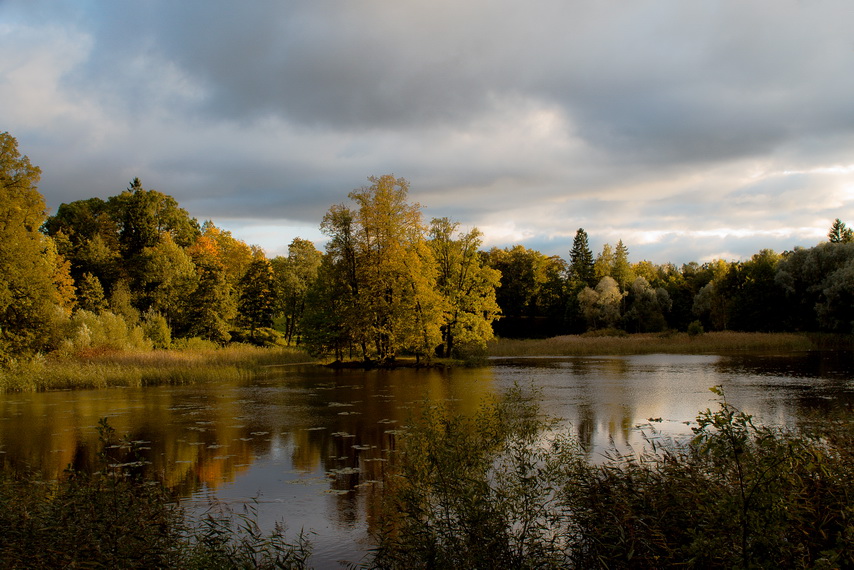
<point x="309" y="446"/>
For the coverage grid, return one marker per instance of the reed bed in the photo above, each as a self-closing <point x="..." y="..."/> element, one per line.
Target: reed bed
<point x="671" y="343"/>
<point x="102" y="369"/>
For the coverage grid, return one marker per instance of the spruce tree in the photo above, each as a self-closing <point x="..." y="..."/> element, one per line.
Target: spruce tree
<point x="581" y="260"/>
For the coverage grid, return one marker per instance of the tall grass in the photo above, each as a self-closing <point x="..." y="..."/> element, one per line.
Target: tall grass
<point x="104" y="368"/>
<point x="672" y="343"/>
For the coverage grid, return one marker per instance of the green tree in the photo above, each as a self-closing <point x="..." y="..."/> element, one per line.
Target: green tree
<point x="604" y="264"/>
<point x="622" y="271"/>
<point x="581" y="260"/>
<point x="326" y="323"/>
<point x="255" y="304"/>
<point x="382" y="265"/>
<point x="817" y="287"/>
<point x="212" y="305"/>
<point x="647" y="307"/>
<point x="713" y="302"/>
<point x="167" y="279"/>
<point x="335" y="319"/>
<point x="87" y="235"/>
<point x="399" y="289"/>
<point x="467" y="285"/>
<point x="143" y="216"/>
<point x="35" y="290"/>
<point x="601" y="306"/>
<point x="90" y="294"/>
<point x="294" y="275"/>
<point x="840" y="233"/>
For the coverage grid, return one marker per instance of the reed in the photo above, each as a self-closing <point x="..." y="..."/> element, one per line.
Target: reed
<point x="102" y="369"/>
<point x="669" y="343"/>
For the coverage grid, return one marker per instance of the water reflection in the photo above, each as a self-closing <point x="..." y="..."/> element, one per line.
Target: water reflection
<point x="312" y="446"/>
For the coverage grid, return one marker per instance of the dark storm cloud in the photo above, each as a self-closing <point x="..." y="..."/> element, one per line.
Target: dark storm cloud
<point x="646" y="121"/>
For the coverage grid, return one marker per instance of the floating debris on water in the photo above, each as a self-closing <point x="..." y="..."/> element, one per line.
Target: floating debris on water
<point x="343" y="434"/>
<point x="344" y="471"/>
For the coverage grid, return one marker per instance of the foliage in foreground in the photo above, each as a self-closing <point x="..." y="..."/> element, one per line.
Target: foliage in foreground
<point x="113" y="518"/>
<point x="503" y="489"/>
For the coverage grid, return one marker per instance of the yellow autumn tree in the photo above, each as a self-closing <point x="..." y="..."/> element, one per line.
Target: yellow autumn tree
<point x="379" y="254"/>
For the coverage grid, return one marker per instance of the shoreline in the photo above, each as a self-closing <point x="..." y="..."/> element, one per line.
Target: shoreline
<point x="187" y="366"/>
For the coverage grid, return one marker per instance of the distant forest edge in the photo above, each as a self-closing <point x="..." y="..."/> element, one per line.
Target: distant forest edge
<point x="136" y="271"/>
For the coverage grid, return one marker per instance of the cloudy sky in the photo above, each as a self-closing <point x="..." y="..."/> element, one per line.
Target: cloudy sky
<point x="690" y="130"/>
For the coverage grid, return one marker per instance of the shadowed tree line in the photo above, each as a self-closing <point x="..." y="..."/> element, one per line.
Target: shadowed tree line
<point x="136" y="271"/>
<point x="806" y="289"/>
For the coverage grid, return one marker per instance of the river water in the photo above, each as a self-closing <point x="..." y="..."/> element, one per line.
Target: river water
<point x="309" y="446"/>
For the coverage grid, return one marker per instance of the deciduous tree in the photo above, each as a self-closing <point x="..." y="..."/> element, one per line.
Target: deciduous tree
<point x="35" y="287"/>
<point x="466" y="284"/>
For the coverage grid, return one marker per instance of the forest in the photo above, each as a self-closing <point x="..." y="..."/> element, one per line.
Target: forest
<point x="137" y="271"/>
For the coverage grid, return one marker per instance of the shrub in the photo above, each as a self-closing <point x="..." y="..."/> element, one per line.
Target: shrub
<point x="86" y="330"/>
<point x="695" y="328"/>
<point x="504" y="490"/>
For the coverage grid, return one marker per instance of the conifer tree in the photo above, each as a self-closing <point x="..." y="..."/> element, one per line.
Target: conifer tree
<point x="581" y="260"/>
<point x="840" y="233"/>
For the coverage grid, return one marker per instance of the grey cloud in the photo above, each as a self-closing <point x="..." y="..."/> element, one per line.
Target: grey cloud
<point x="549" y="115"/>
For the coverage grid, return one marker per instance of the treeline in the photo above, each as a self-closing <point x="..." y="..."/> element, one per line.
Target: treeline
<point x="136" y="271"/>
<point x="807" y="289"/>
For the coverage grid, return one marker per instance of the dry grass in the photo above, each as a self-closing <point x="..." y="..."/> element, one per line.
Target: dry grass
<point x="101" y="369"/>
<point x="677" y="343"/>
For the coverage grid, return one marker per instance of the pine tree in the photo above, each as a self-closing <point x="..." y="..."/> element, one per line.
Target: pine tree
<point x="840" y="233"/>
<point x="581" y="260"/>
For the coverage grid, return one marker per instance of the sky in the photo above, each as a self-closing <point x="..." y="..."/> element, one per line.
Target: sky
<point x="690" y="130"/>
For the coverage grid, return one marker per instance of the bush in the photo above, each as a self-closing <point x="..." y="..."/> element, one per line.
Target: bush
<point x="157" y="330"/>
<point x="262" y="336"/>
<point x="504" y="490"/>
<point x="102" y="331"/>
<point x="695" y="328"/>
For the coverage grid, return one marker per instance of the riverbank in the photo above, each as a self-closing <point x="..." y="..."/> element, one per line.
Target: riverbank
<point x="102" y="369"/>
<point x="668" y="343"/>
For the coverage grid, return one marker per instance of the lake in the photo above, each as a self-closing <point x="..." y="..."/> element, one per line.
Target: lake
<point x="309" y="446"/>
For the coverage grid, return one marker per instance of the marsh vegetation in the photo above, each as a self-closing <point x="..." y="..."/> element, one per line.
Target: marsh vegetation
<point x="506" y="489"/>
<point x="199" y="361"/>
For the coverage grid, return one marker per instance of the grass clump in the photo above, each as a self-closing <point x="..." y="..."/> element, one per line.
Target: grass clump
<point x="505" y="489"/>
<point x="645" y="343"/>
<point x="199" y="362"/>
<point x="114" y="518"/>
